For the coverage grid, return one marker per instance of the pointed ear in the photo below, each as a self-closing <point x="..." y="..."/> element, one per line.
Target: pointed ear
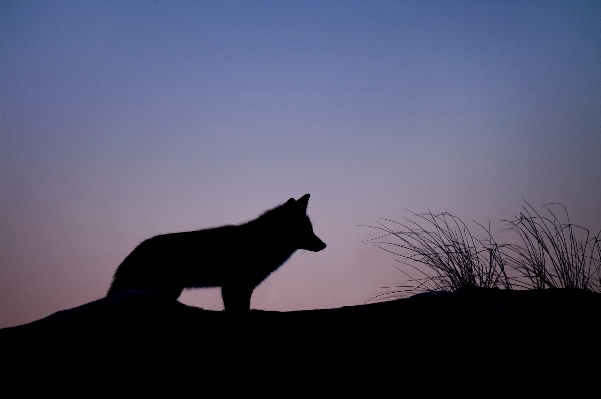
<point x="303" y="201"/>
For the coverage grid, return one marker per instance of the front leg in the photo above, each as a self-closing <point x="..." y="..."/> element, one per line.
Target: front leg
<point x="236" y="298"/>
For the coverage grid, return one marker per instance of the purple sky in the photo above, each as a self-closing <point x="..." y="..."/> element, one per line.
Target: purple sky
<point x="123" y="120"/>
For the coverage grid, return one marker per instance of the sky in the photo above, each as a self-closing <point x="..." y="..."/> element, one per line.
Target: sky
<point x="123" y="120"/>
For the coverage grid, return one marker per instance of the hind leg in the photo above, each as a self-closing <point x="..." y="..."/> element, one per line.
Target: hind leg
<point x="236" y="298"/>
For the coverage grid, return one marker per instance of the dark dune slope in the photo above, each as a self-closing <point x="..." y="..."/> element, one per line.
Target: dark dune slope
<point x="136" y="334"/>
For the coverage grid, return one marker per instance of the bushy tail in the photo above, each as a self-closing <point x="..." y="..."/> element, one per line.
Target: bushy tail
<point x="116" y="287"/>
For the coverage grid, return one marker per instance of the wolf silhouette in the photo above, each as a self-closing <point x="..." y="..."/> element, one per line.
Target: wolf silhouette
<point x="236" y="258"/>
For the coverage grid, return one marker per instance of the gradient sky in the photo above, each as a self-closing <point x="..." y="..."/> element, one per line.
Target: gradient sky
<point x="123" y="120"/>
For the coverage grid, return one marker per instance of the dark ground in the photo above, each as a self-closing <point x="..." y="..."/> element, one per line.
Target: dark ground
<point x="447" y="341"/>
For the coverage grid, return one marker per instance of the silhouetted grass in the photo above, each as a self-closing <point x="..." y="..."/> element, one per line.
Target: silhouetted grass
<point x="445" y="256"/>
<point x="554" y="254"/>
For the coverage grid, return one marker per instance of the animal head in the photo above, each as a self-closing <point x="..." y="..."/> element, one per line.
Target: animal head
<point x="302" y="229"/>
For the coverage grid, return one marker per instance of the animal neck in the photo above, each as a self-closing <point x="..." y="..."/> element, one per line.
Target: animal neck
<point x="263" y="237"/>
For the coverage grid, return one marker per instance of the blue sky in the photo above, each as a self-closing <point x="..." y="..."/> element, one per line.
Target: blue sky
<point x="123" y="120"/>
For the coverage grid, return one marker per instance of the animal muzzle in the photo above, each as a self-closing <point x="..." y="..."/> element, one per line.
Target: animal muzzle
<point x="314" y="244"/>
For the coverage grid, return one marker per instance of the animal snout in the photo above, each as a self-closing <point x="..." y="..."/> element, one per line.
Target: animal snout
<point x="315" y="244"/>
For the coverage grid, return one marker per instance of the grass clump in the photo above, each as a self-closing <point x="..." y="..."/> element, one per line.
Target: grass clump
<point x="443" y="254"/>
<point x="552" y="253"/>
